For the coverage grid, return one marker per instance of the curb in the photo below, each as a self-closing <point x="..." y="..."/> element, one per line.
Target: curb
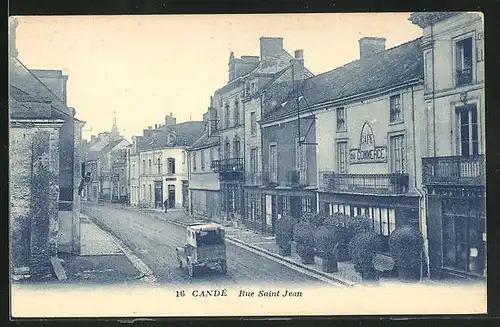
<point x="277" y="258"/>
<point x="280" y="259"/>
<point x="146" y="273"/>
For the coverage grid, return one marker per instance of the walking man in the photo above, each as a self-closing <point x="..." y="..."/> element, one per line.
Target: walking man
<point x="165" y="204"/>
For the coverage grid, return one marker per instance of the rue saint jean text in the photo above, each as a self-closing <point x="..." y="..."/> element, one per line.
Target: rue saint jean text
<point x="241" y="293"/>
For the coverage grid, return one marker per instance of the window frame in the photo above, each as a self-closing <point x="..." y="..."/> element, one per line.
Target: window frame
<point x="455" y="41"/>
<point x="274" y="163"/>
<point x="400" y="119"/>
<point x="404" y="151"/>
<point x="337" y="163"/>
<point x="344" y="111"/>
<point x="253" y="124"/>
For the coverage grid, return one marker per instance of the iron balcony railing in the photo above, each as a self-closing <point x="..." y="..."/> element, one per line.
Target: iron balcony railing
<point x="454" y="170"/>
<point x="390" y="184"/>
<point x="228" y="165"/>
<point x="464" y="76"/>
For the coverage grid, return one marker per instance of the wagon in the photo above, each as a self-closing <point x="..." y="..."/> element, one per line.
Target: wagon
<point x="205" y="249"/>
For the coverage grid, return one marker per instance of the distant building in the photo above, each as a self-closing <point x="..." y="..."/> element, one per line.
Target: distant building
<point x="45" y="167"/>
<point x="157" y="164"/>
<point x="204" y="185"/>
<point x="106" y="167"/>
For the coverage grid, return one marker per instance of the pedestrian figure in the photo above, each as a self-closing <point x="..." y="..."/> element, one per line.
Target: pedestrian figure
<point x="165" y="204"/>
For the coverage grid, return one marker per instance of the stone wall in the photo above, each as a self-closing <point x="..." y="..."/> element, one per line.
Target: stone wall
<point x="34" y="167"/>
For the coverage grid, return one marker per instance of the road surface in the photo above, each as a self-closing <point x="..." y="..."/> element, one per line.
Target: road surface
<point x="154" y="242"/>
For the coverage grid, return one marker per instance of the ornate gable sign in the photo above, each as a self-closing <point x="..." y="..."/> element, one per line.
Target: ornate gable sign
<point x="367" y="151"/>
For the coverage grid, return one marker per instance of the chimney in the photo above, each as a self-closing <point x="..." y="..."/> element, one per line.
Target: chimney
<point x="298" y="65"/>
<point x="149" y="127"/>
<point x="65" y="89"/>
<point x="369" y="46"/>
<point x="13" y="23"/>
<point x="170" y="120"/>
<point x="270" y="47"/>
<point x="231" y="66"/>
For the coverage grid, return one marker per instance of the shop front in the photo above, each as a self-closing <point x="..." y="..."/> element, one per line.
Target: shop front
<point x="386" y="213"/>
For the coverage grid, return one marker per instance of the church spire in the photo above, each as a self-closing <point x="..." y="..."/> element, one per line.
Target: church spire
<point x="114" y="130"/>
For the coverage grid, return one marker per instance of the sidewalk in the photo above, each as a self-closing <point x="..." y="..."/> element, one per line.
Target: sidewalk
<point x="264" y="245"/>
<point x="100" y="261"/>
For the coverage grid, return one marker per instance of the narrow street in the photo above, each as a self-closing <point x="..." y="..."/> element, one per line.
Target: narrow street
<point x="154" y="242"/>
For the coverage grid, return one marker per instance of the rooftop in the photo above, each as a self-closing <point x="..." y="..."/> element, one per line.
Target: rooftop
<point x="394" y="66"/>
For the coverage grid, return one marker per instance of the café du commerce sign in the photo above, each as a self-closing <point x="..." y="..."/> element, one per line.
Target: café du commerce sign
<point x="367" y="151"/>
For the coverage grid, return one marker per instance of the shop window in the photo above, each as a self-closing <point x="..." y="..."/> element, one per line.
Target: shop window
<point x="463" y="241"/>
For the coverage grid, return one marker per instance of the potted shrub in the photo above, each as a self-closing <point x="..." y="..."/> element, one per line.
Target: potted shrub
<point x="362" y="250"/>
<point x="284" y="235"/>
<point x="315" y="218"/>
<point x="303" y="235"/>
<point x="326" y="240"/>
<point x="406" y="246"/>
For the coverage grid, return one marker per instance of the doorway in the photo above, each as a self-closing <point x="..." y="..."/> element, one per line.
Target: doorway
<point x="171" y="196"/>
<point x="158" y="194"/>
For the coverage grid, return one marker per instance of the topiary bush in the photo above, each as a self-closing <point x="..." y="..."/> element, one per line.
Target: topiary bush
<point x="303" y="235"/>
<point x="362" y="249"/>
<point x="406" y="247"/>
<point x="326" y="240"/>
<point x="284" y="235"/>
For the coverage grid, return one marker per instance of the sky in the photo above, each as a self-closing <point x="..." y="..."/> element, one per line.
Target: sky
<point x="145" y="67"/>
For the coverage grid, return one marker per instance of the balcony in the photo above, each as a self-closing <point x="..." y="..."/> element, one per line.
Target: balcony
<point x="380" y="184"/>
<point x="464" y="76"/>
<point x="227" y="165"/>
<point x="454" y="170"/>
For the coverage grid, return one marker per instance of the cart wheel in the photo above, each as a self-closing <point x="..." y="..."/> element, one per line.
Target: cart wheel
<point x="223" y="267"/>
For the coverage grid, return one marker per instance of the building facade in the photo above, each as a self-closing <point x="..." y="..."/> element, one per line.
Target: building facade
<point x="359" y="145"/>
<point x="235" y="104"/>
<point x="204" y="185"/>
<point x="454" y="157"/>
<point x="158" y="164"/>
<point x="45" y="165"/>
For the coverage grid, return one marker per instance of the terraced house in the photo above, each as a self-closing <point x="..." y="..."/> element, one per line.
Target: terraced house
<point x="454" y="153"/>
<point x="158" y="164"/>
<point x="238" y="104"/>
<point x="204" y="185"/>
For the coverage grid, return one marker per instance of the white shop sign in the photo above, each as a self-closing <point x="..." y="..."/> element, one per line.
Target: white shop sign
<point x="367" y="151"/>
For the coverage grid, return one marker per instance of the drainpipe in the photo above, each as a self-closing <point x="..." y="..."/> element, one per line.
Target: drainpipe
<point x="421" y="195"/>
<point x="433" y="97"/>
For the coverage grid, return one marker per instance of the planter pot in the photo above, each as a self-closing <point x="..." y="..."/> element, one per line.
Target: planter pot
<point x="328" y="265"/>
<point x="285" y="250"/>
<point x="306" y="254"/>
<point x="370" y="275"/>
<point x="342" y="252"/>
<point x="409" y="274"/>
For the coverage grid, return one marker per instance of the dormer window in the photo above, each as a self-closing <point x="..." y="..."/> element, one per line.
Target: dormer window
<point x="170" y="138"/>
